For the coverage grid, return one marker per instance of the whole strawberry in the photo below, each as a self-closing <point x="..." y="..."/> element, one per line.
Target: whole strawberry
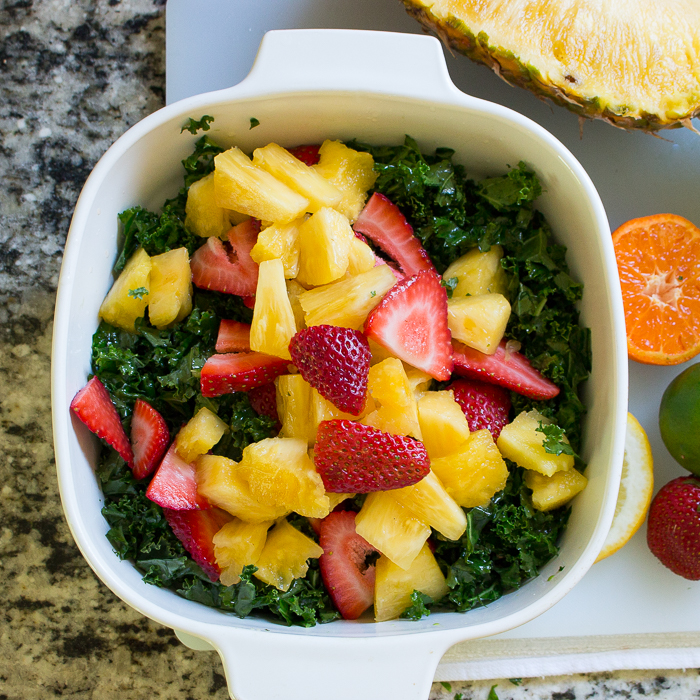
<point x="673" y="530"/>
<point x="484" y="405"/>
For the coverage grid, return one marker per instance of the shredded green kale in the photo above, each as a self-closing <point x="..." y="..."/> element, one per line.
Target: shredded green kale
<point x="554" y="442"/>
<point x="195" y="125"/>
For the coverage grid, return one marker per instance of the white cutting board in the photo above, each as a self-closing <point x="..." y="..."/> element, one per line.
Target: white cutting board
<point x="211" y="44"/>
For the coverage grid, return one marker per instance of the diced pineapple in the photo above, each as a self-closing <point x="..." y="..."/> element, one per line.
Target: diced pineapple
<point x="336" y="499"/>
<point x="127" y="299"/>
<point x="284" y="556"/>
<point x="248" y="189"/>
<point x="442" y="422"/>
<point x="236" y="545"/>
<point x="298" y="176"/>
<point x="294" y="407"/>
<point x="393" y="586"/>
<point x="170" y="297"/>
<point x="549" y="492"/>
<point x="203" y="216"/>
<point x="352" y="172"/>
<point x="478" y="321"/>
<point x="521" y="442"/>
<point x="347" y="303"/>
<point x="380" y="353"/>
<point x="322" y="409"/>
<point x="362" y="259"/>
<point x="474" y="472"/>
<point x="279" y="241"/>
<point x="429" y="502"/>
<point x="200" y="434"/>
<point x="273" y="322"/>
<point x="220" y="483"/>
<point x="478" y="273"/>
<point x="418" y="380"/>
<point x="294" y="291"/>
<point x="391" y="528"/>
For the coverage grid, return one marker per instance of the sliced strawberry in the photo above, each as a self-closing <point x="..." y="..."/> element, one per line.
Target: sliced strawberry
<point x="507" y="369"/>
<point x="149" y="438"/>
<point x="228" y="267"/>
<point x="263" y="399"/>
<point x="174" y="484"/>
<point x="239" y="371"/>
<point x="386" y="226"/>
<point x="335" y="361"/>
<point x="355" y="458"/>
<point x="93" y="405"/>
<point x="411" y="322"/>
<point x="348" y="577"/>
<point x="234" y="336"/>
<point x="249" y="301"/>
<point x="484" y="405"/>
<point x="307" y="154"/>
<point x="196" y="530"/>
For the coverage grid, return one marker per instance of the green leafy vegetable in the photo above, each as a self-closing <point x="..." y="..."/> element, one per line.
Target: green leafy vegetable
<point x="254" y="122"/>
<point x="554" y="442"/>
<point x="450" y="285"/>
<point x="418" y="607"/>
<point x="516" y="681"/>
<point x="492" y="693"/>
<point x="138" y="293"/>
<point x="193" y="125"/>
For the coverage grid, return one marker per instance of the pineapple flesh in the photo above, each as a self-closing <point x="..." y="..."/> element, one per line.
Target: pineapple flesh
<point x="127" y="299"/>
<point x="236" y="545"/>
<point x="442" y="422"/>
<point x="203" y="216"/>
<point x="478" y="273"/>
<point x="279" y="241"/>
<point x="549" y="492"/>
<point x="170" y="297"/>
<point x="478" y="321"/>
<point x="199" y="434"/>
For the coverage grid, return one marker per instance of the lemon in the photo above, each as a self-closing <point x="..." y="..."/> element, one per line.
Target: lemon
<point x="636" y="488"/>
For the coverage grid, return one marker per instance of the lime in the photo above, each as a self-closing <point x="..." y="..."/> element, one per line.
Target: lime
<point x="679" y="418"/>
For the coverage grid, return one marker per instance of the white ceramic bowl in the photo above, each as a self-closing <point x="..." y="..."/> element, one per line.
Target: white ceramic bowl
<point x="305" y="86"/>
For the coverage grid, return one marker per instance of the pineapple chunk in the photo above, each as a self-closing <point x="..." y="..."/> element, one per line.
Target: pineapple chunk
<point x="352" y="172"/>
<point x="347" y="303"/>
<point x="284" y="556"/>
<point x="220" y="483"/>
<point x="380" y="353"/>
<point x="478" y="273"/>
<point x="521" y="442"/>
<point x="418" y="380"/>
<point x="236" y="545"/>
<point x="478" y="321"/>
<point x="199" y="435"/>
<point x="294" y="291"/>
<point x="322" y="409"/>
<point x="128" y="297"/>
<point x="473" y="473"/>
<point x="248" y="189"/>
<point x="442" y="422"/>
<point x="362" y="259"/>
<point x="391" y="528"/>
<point x="294" y="407"/>
<point x="298" y="176"/>
<point x="170" y="297"/>
<point x="279" y="241"/>
<point x="324" y="247"/>
<point x="335" y="499"/>
<point x="429" y="501"/>
<point x="549" y="492"/>
<point x="280" y="473"/>
<point x="203" y="216"/>
<point x="393" y="586"/>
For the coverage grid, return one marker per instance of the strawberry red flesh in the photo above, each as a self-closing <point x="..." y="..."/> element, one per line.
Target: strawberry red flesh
<point x="335" y="361"/>
<point x="509" y="369"/>
<point x="233" y="336"/>
<point x="242" y="371"/>
<point x="307" y="154"/>
<point x="149" y="438"/>
<point x="347" y="575"/>
<point x="486" y="406"/>
<point x="93" y="405"/>
<point x="174" y="484"/>
<point x="355" y="458"/>
<point x="384" y="224"/>
<point x="263" y="399"/>
<point x="411" y="322"/>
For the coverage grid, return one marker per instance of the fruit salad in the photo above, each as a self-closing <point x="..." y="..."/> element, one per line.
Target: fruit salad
<point x="338" y="380"/>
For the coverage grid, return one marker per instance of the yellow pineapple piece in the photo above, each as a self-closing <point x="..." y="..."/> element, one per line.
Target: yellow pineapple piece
<point x="294" y="395"/>
<point x="220" y="483"/>
<point x="236" y="545"/>
<point x="521" y="442"/>
<point x="298" y="176"/>
<point x="442" y="423"/>
<point x="429" y="501"/>
<point x="170" y="297"/>
<point x="418" y="380"/>
<point x="279" y="241"/>
<point x="200" y="434"/>
<point x="347" y="303"/>
<point x="203" y="216"/>
<point x="336" y="499"/>
<point x="380" y="353"/>
<point x="478" y="321"/>
<point x="393" y="585"/>
<point x="285" y="555"/>
<point x="361" y="259"/>
<point x="478" y="273"/>
<point x="549" y="492"/>
<point x="280" y="473"/>
<point x="391" y="528"/>
<point x="474" y="472"/>
<point x="294" y="291"/>
<point x="352" y="172"/>
<point x="322" y="409"/>
<point x="244" y="187"/>
<point x="127" y="299"/>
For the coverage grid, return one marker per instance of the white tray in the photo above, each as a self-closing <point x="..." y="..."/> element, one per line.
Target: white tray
<point x="629" y="611"/>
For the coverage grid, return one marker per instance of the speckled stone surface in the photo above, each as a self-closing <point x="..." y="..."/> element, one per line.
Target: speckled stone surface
<point x="75" y="75"/>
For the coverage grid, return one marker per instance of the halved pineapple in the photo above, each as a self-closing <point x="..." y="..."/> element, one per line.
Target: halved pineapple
<point x="478" y="273"/>
<point x="127" y="299"/>
<point x="479" y="321"/>
<point x="199" y="434"/>
<point x="294" y="395"/>
<point x="203" y="215"/>
<point x="170" y="297"/>
<point x="236" y="545"/>
<point x="549" y="492"/>
<point x="443" y="424"/>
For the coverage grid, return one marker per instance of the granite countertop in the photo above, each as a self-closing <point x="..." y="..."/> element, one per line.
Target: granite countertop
<point x="75" y="75"/>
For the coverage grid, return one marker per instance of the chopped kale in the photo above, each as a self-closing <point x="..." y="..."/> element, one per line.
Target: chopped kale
<point x="418" y="608"/>
<point x="554" y="442"/>
<point x="195" y="125"/>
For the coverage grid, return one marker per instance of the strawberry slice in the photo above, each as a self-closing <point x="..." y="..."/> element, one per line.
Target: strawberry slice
<point x="263" y="399"/>
<point x="233" y="336"/>
<point x="196" y="530"/>
<point x="93" y="405"/>
<point x="149" y="438"/>
<point x="347" y="576"/>
<point x="510" y="370"/>
<point x="239" y="371"/>
<point x="355" y="458"/>
<point x="382" y="222"/>
<point x="411" y="322"/>
<point x="249" y="301"/>
<point x="228" y="267"/>
<point x="335" y="361"/>
<point x="307" y="154"/>
<point x="484" y="405"/>
<point x="174" y="484"/>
